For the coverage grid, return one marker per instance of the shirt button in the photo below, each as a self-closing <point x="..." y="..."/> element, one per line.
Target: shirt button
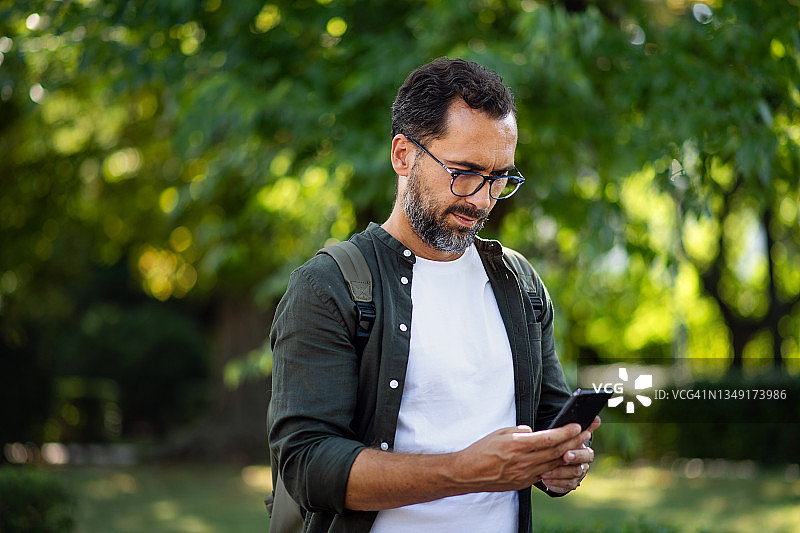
<point x="407" y="253"/>
<point x="404" y="280"/>
<point x="394" y="384"/>
<point x="384" y="446"/>
<point x="403" y="327"/>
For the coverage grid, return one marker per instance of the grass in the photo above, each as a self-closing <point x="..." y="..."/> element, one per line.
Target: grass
<point x="690" y="496"/>
<point x="169" y="499"/>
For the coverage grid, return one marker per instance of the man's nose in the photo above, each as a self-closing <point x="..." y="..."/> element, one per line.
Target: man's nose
<point x="481" y="199"/>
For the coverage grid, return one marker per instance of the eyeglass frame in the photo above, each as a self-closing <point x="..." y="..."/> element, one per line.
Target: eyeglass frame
<point x="454" y="173"/>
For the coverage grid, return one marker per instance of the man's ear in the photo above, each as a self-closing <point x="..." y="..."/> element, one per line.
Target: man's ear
<point x="402" y="155"/>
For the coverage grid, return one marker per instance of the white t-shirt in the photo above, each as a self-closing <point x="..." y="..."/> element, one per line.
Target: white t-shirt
<point x="459" y="387"/>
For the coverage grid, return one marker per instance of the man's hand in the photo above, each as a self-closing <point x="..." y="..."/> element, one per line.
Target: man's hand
<point x="574" y="468"/>
<point x="516" y="458"/>
<point x="507" y="459"/>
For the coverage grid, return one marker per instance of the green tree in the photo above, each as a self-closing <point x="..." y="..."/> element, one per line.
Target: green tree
<point x="632" y="93"/>
<point x="211" y="147"/>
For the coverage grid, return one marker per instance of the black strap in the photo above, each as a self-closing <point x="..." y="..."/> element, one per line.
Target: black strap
<point x="538" y="305"/>
<point x="358" y="277"/>
<point x="525" y="275"/>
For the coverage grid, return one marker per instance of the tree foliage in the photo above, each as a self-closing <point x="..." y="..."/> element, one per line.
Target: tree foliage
<point x="211" y="147"/>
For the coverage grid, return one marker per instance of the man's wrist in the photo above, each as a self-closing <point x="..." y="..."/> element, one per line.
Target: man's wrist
<point x="383" y="480"/>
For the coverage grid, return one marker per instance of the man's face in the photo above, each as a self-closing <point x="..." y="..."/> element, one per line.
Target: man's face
<point x="473" y="142"/>
<point x="430" y="220"/>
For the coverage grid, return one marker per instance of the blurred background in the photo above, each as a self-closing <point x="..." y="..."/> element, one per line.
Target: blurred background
<point x="165" y="165"/>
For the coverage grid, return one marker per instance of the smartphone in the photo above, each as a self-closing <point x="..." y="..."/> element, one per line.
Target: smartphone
<point x="581" y="407"/>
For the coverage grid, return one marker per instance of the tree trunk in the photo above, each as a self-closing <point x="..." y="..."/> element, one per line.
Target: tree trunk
<point x="776" y="308"/>
<point x="234" y="428"/>
<point x="241" y="328"/>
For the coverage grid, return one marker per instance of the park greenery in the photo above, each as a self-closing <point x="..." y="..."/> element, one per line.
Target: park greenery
<point x="165" y="165"/>
<point x="692" y="496"/>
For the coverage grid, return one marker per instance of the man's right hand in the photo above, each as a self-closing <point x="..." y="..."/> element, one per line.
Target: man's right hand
<point x="515" y="458"/>
<point x="507" y="459"/>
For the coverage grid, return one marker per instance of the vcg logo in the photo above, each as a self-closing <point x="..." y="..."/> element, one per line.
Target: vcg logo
<point x="645" y="381"/>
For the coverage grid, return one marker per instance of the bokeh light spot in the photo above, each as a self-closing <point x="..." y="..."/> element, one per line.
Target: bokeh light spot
<point x="180" y="238"/>
<point x="702" y="13"/>
<point x="33" y="21"/>
<point x="267" y="18"/>
<point x="168" y="200"/>
<point x="37" y="93"/>
<point x="336" y="26"/>
<point x="121" y="164"/>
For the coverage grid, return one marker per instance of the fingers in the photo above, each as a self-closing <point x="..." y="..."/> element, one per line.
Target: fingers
<point x="516" y="457"/>
<point x="578" y="456"/>
<point x="565" y="478"/>
<point x="582" y="453"/>
<point x="552" y="437"/>
<point x="576" y="443"/>
<point x="565" y="444"/>
<point x="547" y="438"/>
<point x="567" y="472"/>
<point x="576" y="461"/>
<point x="557" y="488"/>
<point x="562" y="485"/>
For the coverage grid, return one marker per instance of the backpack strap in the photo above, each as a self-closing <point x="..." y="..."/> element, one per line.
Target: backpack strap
<point x="358" y="277"/>
<point x="526" y="276"/>
<point x="290" y="517"/>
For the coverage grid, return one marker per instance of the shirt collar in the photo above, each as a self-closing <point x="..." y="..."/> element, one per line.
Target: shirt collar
<point x="393" y="244"/>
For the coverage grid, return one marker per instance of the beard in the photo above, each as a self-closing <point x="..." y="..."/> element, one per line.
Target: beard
<point x="430" y="221"/>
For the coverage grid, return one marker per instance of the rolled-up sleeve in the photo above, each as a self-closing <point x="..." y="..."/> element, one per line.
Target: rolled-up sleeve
<point x="315" y="385"/>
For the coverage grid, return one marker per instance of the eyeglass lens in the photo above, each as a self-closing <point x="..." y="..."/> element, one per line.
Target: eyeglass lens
<point x="467" y="184"/>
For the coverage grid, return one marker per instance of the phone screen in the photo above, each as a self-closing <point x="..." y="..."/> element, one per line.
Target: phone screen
<point x="581" y="407"/>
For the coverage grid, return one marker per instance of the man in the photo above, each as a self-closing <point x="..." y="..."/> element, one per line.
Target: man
<point x="431" y="428"/>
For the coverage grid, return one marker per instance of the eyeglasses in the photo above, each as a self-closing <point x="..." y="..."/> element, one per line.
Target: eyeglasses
<point x="465" y="183"/>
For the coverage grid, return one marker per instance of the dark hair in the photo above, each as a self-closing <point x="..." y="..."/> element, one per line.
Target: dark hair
<point x="420" y="109"/>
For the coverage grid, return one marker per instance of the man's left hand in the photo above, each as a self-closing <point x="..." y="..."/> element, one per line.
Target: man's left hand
<point x="576" y="465"/>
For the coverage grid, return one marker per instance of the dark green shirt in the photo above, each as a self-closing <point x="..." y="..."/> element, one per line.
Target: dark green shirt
<point x="327" y="405"/>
